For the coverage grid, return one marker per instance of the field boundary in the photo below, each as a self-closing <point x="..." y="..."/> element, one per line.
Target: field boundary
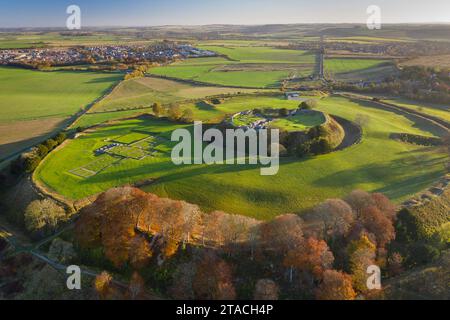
<point x="204" y="84"/>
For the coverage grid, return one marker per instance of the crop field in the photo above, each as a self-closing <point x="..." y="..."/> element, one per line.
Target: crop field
<point x="299" y="122"/>
<point x="354" y="69"/>
<point x="34" y="104"/>
<point x="142" y="92"/>
<point x="378" y="163"/>
<point x="262" y="54"/>
<point x="259" y="67"/>
<point x="351" y="65"/>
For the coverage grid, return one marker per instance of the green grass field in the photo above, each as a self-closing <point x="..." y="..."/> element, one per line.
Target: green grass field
<point x="92" y="119"/>
<point x="378" y="163"/>
<point x="299" y="122"/>
<point x="142" y="92"/>
<point x="262" y="54"/>
<point x="34" y="104"/>
<point x="30" y="95"/>
<point x="131" y="138"/>
<point x="259" y="67"/>
<point x="440" y="111"/>
<point x="351" y="65"/>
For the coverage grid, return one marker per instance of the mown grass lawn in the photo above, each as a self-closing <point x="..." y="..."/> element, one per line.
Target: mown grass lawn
<point x="376" y="164"/>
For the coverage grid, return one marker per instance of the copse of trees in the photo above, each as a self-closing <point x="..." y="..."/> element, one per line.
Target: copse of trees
<point x="29" y="161"/>
<point x="309" y="104"/>
<point x="174" y="112"/>
<point x="323" y="254"/>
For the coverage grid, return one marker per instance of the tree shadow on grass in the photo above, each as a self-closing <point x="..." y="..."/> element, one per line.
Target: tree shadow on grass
<point x="403" y="177"/>
<point x="419" y="123"/>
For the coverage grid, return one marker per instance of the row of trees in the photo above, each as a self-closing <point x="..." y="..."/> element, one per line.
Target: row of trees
<point x="29" y="161"/>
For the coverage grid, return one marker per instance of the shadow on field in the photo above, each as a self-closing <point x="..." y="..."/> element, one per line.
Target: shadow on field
<point x="402" y="179"/>
<point x="418" y="122"/>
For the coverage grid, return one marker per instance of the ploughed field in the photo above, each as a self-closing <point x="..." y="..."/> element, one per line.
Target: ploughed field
<point x="377" y="163"/>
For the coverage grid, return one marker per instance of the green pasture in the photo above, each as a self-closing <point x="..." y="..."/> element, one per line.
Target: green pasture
<point x="378" y="164"/>
<point x="30" y="95"/>
<point x="299" y="122"/>
<point x="258" y="67"/>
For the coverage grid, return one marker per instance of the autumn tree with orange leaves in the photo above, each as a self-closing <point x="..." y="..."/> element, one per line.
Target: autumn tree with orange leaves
<point x="362" y="254"/>
<point x="312" y="256"/>
<point x="213" y="279"/>
<point x="335" y="285"/>
<point x="105" y="288"/>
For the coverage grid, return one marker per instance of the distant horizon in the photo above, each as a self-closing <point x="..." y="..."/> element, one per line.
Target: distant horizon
<point x="157" y="13"/>
<point x="434" y="23"/>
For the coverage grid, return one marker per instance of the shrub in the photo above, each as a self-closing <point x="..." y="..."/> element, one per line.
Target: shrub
<point x="41" y="151"/>
<point x="422" y="253"/>
<point x="308" y="105"/>
<point x="321" y="146"/>
<point x="31" y="161"/>
<point x="43" y="216"/>
<point x="303" y="149"/>
<point x="50" y="144"/>
<point x="157" y="109"/>
<point x="283" y="112"/>
<point x="60" y="137"/>
<point x="187" y="116"/>
<point x="174" y="112"/>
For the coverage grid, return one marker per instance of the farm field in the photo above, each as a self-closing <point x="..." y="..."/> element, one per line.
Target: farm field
<point x="350" y="65"/>
<point x="143" y="92"/>
<point x="262" y="54"/>
<point x="92" y="119"/>
<point x="259" y="67"/>
<point x="378" y="163"/>
<point x="54" y="39"/>
<point x="357" y="69"/>
<point x="34" y="104"/>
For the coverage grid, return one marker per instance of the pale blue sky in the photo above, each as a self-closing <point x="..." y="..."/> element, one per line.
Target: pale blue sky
<point x="52" y="13"/>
